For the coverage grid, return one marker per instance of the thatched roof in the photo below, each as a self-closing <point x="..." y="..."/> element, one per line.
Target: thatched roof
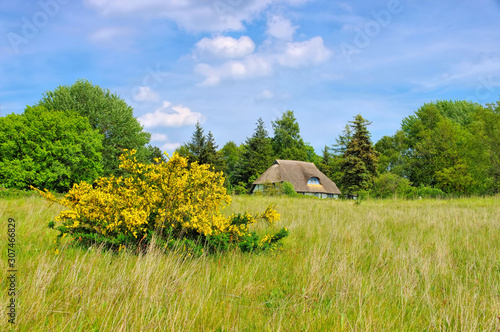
<point x="298" y="173"/>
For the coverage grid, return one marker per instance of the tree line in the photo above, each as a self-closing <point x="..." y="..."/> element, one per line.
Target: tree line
<point x="76" y="133"/>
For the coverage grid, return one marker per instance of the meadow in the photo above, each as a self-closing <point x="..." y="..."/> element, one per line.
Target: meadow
<point x="387" y="265"/>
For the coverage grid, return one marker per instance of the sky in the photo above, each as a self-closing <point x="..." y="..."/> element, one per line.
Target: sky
<point x="226" y="63"/>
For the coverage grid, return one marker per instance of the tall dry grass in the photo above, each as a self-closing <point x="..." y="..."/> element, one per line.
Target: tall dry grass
<point x="426" y="265"/>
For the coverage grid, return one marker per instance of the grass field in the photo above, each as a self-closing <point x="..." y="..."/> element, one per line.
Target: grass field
<point x="425" y="265"/>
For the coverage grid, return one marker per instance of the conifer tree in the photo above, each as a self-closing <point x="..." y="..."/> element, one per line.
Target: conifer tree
<point x="210" y="155"/>
<point x="342" y="141"/>
<point x="257" y="155"/>
<point x="359" y="166"/>
<point x="202" y="149"/>
<point x="195" y="148"/>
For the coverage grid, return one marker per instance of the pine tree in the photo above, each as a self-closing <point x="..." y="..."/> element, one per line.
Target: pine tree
<point x="359" y="166"/>
<point x="257" y="155"/>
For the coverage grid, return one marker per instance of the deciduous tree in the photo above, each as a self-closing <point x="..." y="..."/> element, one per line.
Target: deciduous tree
<point x="107" y="113"/>
<point x="48" y="149"/>
<point x="287" y="142"/>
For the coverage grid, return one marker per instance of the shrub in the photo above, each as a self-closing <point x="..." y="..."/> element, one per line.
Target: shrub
<point x="288" y="189"/>
<point x="429" y="192"/>
<point x="179" y="206"/>
<point x="389" y="185"/>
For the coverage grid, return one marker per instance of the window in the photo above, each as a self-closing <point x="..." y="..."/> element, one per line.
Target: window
<point x="313" y="181"/>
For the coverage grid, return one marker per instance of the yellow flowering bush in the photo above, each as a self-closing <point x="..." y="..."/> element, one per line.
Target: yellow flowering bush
<point x="180" y="205"/>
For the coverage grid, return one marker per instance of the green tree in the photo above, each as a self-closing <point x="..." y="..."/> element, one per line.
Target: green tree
<point x="231" y="154"/>
<point x="202" y="149"/>
<point x="342" y="141"/>
<point x="392" y="151"/>
<point x="329" y="164"/>
<point x="107" y="113"/>
<point x="312" y="157"/>
<point x="155" y="153"/>
<point x="196" y="147"/>
<point x="435" y="143"/>
<point x="359" y="165"/>
<point x="324" y="163"/>
<point x="287" y="142"/>
<point x="483" y="151"/>
<point x="256" y="156"/>
<point x="48" y="149"/>
<point x="210" y="154"/>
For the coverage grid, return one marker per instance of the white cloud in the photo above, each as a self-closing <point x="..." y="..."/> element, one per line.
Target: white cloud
<point x="250" y="67"/>
<point x="162" y="138"/>
<point x="157" y="137"/>
<point x="108" y="33"/>
<point x="212" y="76"/>
<point x="170" y="116"/>
<point x="226" y="47"/>
<point x="192" y="15"/>
<point x="309" y="52"/>
<point x="144" y="93"/>
<point x="170" y="146"/>
<point x="280" y="28"/>
<point x="261" y="64"/>
<point x="266" y="94"/>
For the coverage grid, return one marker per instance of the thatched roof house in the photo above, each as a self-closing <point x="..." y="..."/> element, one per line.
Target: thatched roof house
<point x="305" y="177"/>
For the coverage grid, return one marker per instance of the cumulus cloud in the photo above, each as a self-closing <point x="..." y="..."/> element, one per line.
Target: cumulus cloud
<point x="145" y="93"/>
<point x="280" y="28"/>
<point x="226" y="47"/>
<point x="262" y="64"/>
<point x="309" y="52"/>
<point x="170" y="116"/>
<point x="250" y="67"/>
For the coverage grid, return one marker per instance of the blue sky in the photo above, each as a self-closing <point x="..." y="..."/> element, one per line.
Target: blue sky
<point x="228" y="62"/>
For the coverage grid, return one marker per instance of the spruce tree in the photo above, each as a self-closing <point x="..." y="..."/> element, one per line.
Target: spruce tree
<point x="202" y="149"/>
<point x="257" y="155"/>
<point x="210" y="155"/>
<point x="196" y="146"/>
<point x="359" y="166"/>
